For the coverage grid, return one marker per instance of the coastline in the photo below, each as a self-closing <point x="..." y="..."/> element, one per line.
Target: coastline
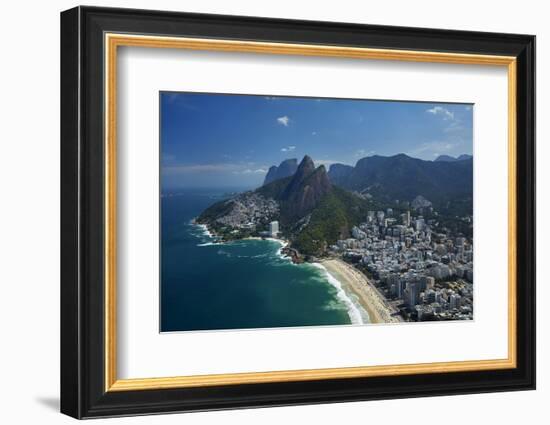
<point x="204" y="228"/>
<point x="354" y="281"/>
<point x="358" y="314"/>
<point x="212" y="235"/>
<point x="367" y="307"/>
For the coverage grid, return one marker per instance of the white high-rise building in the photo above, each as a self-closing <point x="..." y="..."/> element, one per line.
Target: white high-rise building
<point x="274" y="229"/>
<point x="455" y="301"/>
<point x="406" y="218"/>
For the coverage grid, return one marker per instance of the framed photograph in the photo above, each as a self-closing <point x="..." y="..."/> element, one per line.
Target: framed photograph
<point x="261" y="212"/>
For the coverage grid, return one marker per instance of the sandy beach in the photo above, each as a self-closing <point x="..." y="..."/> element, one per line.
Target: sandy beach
<point x="354" y="281"/>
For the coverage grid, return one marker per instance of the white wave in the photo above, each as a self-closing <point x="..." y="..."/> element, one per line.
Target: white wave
<point x="260" y="256"/>
<point x="334" y="305"/>
<point x="354" y="311"/>
<point x="279" y="241"/>
<point x="202" y="232"/>
<point x="205" y="231"/>
<point x="279" y="253"/>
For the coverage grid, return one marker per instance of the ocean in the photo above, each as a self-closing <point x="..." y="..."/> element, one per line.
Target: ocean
<point x="243" y="284"/>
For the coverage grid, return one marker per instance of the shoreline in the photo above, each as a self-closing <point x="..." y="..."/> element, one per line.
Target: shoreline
<point x="354" y="281"/>
<point x="344" y="277"/>
<point x="205" y="229"/>
<point x="218" y="239"/>
<point x="355" y="312"/>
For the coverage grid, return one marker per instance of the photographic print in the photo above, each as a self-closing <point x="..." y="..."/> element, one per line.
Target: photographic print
<point x="292" y="211"/>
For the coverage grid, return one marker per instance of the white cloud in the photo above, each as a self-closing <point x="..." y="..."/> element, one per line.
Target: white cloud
<point x="364" y="152"/>
<point x="444" y="112"/>
<point x="235" y="168"/>
<point x="433" y="148"/>
<point x="180" y="99"/>
<point x="250" y="171"/>
<point x="288" y="149"/>
<point x="328" y="162"/>
<point x="454" y="124"/>
<point x="198" y="168"/>
<point x="284" y="120"/>
<point x="314" y="133"/>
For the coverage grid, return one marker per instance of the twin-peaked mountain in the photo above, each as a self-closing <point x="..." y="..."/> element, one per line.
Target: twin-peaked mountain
<point x="305" y="189"/>
<point x="305" y="194"/>
<point x="311" y="211"/>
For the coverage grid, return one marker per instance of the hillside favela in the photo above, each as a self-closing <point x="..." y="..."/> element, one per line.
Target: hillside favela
<point x="377" y="238"/>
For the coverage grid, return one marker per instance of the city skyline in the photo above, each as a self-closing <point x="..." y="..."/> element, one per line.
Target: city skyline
<point x="232" y="140"/>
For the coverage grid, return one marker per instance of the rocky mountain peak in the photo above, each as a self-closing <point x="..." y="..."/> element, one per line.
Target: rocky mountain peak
<point x="285" y="169"/>
<point x="306" y="166"/>
<point x="307" y="187"/>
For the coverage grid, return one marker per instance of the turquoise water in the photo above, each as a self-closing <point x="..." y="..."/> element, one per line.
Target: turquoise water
<point x="243" y="284"/>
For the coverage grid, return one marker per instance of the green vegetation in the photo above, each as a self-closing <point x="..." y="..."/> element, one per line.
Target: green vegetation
<point x="458" y="207"/>
<point x="455" y="226"/>
<point x="274" y="189"/>
<point x="332" y="219"/>
<point x="403" y="177"/>
<point x="214" y="211"/>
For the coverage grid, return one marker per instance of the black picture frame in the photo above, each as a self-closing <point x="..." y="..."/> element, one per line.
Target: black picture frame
<point x="82" y="219"/>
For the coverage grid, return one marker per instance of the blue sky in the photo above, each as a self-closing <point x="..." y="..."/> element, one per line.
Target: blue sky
<point x="216" y="140"/>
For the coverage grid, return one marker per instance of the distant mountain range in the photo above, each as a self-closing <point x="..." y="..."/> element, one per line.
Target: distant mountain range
<point x="401" y="177"/>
